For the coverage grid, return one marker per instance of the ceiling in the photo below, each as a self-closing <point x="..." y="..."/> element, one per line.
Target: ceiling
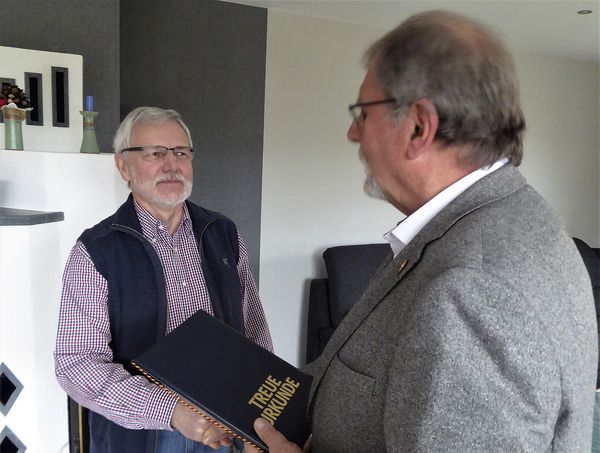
<point x="549" y="27"/>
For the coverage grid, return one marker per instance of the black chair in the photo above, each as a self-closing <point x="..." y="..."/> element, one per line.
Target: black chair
<point x="349" y="271"/>
<point x="591" y="258"/>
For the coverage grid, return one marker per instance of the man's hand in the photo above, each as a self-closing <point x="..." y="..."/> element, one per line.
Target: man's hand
<point x="193" y="426"/>
<point x="276" y="441"/>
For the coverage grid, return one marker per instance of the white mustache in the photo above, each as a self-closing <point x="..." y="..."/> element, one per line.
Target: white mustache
<point x="169" y="177"/>
<point x="361" y="155"/>
<point x="363" y="160"/>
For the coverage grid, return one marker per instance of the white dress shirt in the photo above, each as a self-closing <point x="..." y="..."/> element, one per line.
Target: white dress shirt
<point x="402" y="234"/>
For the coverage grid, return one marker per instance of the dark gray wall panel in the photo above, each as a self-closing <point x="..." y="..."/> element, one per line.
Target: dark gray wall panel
<point x="205" y="59"/>
<point x="84" y="27"/>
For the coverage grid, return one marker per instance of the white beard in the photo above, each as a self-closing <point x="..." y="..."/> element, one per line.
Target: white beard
<point x="370" y="186"/>
<point x="148" y="190"/>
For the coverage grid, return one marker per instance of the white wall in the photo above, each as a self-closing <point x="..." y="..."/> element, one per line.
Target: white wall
<point x="312" y="180"/>
<point x="562" y="152"/>
<point x="312" y="194"/>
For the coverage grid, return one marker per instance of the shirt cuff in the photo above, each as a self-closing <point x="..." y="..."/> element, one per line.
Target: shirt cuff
<point x="159" y="410"/>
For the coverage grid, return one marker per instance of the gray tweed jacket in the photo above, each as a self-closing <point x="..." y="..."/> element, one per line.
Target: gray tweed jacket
<point x="480" y="336"/>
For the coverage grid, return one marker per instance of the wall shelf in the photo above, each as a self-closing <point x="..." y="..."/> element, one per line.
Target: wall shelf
<point x="12" y="217"/>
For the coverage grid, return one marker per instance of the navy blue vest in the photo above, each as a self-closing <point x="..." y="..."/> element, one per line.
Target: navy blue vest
<point x="137" y="301"/>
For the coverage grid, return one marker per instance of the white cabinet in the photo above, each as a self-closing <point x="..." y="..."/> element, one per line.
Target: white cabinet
<point x="87" y="188"/>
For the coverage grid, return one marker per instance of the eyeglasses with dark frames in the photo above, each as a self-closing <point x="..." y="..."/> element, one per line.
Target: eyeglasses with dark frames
<point x="157" y="153"/>
<point x="357" y="110"/>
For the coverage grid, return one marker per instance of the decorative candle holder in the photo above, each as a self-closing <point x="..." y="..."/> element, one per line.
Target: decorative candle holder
<point x="89" y="143"/>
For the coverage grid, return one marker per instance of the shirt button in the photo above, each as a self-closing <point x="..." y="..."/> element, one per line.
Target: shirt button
<point x="183" y="283"/>
<point x="154" y="240"/>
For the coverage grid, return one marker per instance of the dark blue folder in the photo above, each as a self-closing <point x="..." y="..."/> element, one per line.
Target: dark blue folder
<point x="230" y="378"/>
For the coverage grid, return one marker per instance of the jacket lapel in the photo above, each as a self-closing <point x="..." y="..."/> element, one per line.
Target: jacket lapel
<point x="493" y="187"/>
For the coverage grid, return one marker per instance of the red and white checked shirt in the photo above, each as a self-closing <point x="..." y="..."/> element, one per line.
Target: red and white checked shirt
<point x="83" y="359"/>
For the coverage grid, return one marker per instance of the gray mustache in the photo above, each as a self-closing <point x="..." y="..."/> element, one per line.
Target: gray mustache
<point x="169" y="177"/>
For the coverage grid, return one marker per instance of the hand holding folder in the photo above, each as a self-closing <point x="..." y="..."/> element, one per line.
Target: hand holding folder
<point x="275" y="441"/>
<point x="229" y="379"/>
<point x="189" y="421"/>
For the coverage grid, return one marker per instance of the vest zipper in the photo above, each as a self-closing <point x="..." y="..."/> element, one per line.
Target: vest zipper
<point x="200" y="242"/>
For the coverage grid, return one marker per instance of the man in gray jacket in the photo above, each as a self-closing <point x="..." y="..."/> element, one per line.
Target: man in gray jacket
<point x="480" y="334"/>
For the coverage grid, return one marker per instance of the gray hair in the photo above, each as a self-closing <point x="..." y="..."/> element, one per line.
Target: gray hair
<point x="466" y="72"/>
<point x="145" y="115"/>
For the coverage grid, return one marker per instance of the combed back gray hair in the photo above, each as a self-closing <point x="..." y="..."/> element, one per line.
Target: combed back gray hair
<point x="145" y="115"/>
<point x="468" y="75"/>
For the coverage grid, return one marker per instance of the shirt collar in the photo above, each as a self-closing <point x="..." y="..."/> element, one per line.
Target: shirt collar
<point x="151" y="226"/>
<point x="407" y="229"/>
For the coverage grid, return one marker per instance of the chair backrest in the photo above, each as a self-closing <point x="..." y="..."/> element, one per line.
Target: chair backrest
<point x="349" y="271"/>
<point x="591" y="258"/>
<point x="350" y="268"/>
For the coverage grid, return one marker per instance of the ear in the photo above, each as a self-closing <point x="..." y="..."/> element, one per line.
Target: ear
<point x="122" y="167"/>
<point x="426" y="121"/>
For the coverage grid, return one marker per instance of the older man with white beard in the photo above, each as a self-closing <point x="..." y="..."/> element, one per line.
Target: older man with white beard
<point x="136" y="276"/>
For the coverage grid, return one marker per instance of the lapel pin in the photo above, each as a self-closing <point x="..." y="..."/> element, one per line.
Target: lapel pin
<point x="401" y="266"/>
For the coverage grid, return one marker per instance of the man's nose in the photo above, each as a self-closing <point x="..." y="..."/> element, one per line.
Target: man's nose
<point x="170" y="161"/>
<point x="354" y="132"/>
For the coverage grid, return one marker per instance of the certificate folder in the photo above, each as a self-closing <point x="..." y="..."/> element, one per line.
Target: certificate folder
<point x="230" y="378"/>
